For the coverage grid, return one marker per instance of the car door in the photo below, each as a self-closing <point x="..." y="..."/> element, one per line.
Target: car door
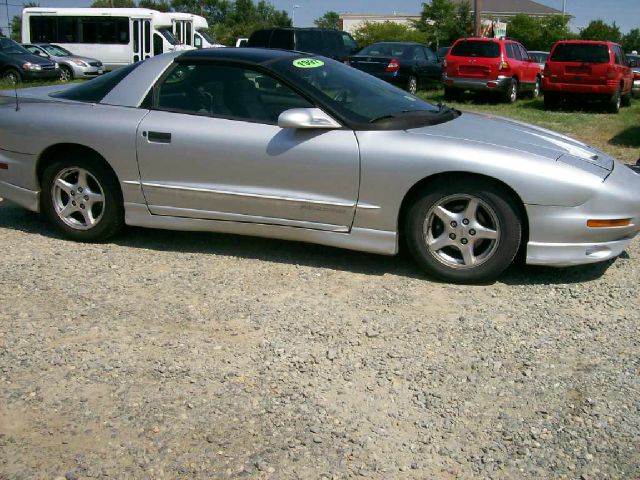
<point x="531" y="67"/>
<point x="211" y="149"/>
<point x="434" y="68"/>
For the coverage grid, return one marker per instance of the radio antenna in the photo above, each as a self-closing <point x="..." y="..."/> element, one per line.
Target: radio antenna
<point x="15" y="90"/>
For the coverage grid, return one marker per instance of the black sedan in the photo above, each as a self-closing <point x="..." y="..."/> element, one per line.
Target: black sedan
<point x="407" y="65"/>
<point x="17" y="63"/>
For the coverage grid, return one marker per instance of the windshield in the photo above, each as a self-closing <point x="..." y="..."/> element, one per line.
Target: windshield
<point x="168" y="36"/>
<point x="56" y="51"/>
<point x="10" y="47"/>
<point x="207" y="37"/>
<point x="476" y="48"/>
<point x="581" y="52"/>
<point x="353" y="94"/>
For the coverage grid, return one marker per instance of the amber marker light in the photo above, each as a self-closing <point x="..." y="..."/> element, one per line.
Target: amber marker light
<point x="618" y="222"/>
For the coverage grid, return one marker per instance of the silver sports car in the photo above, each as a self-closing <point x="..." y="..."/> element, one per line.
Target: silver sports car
<point x="279" y="144"/>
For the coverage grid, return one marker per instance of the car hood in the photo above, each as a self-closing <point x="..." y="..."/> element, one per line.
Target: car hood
<point x="512" y="134"/>
<point x="75" y="57"/>
<point x="28" y="57"/>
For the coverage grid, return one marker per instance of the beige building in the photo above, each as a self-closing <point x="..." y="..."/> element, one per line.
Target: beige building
<point x="349" y="22"/>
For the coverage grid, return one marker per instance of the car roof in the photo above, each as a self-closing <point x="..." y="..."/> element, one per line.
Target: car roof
<point x="588" y="42"/>
<point x="397" y="43"/>
<point x="245" y="55"/>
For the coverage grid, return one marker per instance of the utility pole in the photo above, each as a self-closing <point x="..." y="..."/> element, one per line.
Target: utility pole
<point x="564" y="7"/>
<point x="477" y="11"/>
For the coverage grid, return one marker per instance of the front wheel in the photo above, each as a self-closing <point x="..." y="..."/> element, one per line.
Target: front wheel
<point x="464" y="231"/>
<point x="537" y="88"/>
<point x="65" y="73"/>
<point x="12" y="76"/>
<point x="81" y="199"/>
<point x="412" y="84"/>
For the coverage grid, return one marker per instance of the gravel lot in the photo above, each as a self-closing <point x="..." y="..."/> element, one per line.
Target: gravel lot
<point x="189" y="355"/>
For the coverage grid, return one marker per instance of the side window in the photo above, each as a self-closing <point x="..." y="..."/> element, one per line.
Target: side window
<point x="158" y="49"/>
<point x="282" y="39"/>
<point x="147" y="38"/>
<point x="188" y="34"/>
<point x="617" y="54"/>
<point x="509" y="48"/>
<point x="197" y="41"/>
<point x="419" y="54"/>
<point x="523" y="53"/>
<point x="432" y="57"/>
<point x="226" y="91"/>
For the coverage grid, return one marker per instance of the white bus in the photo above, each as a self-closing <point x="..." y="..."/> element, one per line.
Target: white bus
<point x="115" y="36"/>
<point x="192" y="30"/>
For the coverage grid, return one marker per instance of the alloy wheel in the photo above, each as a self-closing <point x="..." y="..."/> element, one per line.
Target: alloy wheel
<point x="78" y="198"/>
<point x="65" y="74"/>
<point x="413" y="85"/>
<point x="462" y="231"/>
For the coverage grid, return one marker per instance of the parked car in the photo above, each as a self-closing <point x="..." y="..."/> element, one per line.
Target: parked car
<point x="634" y="63"/>
<point x="540" y="57"/>
<point x="441" y="53"/>
<point x="293" y="146"/>
<point x="404" y="64"/>
<point x="588" y="70"/>
<point x="17" y="64"/>
<point x="330" y="43"/>
<point x="71" y="66"/>
<point x="490" y="65"/>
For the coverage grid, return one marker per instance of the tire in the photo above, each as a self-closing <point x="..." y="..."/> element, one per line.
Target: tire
<point x="451" y="94"/>
<point x="81" y="198"/>
<point x="511" y="94"/>
<point x="626" y="100"/>
<point x="412" y="84"/>
<point x="12" y="75"/>
<point x="615" y="102"/>
<point x="551" y="101"/>
<point x="535" y="93"/>
<point x="437" y="234"/>
<point x="66" y="74"/>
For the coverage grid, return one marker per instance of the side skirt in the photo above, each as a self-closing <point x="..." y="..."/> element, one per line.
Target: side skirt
<point x="361" y="239"/>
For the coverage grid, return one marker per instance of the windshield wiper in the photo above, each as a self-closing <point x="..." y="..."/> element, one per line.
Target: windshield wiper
<point x="394" y="115"/>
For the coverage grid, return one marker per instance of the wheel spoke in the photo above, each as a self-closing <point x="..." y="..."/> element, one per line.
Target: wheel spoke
<point x="445" y="215"/>
<point x="94" y="197"/>
<point x="439" y="243"/>
<point x="82" y="178"/>
<point x="68" y="210"/>
<point x="485" y="233"/>
<point x="472" y="209"/>
<point x="64" y="186"/>
<point x="467" y="254"/>
<point x="88" y="216"/>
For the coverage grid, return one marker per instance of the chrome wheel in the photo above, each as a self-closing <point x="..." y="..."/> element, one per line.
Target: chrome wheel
<point x="11" y="76"/>
<point x="65" y="74"/>
<point x="78" y="198"/>
<point x="412" y="85"/>
<point x="513" y="91"/>
<point x="462" y="231"/>
<point x="536" y="89"/>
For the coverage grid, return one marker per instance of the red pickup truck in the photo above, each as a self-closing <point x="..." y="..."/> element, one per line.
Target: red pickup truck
<point x="490" y="65"/>
<point x="588" y="70"/>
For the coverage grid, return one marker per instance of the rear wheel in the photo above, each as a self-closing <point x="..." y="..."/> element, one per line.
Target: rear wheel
<point x="615" y="102"/>
<point x="12" y="75"/>
<point x="80" y="197"/>
<point x="464" y="231"/>
<point x="626" y="100"/>
<point x="412" y="84"/>
<point x="511" y="94"/>
<point x="535" y="93"/>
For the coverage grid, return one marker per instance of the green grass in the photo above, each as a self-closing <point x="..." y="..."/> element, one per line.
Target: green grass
<point x="616" y="134"/>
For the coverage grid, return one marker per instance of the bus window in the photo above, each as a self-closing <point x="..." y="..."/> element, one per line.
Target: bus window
<point x="136" y="36"/>
<point x="188" y="35"/>
<point x="74" y="29"/>
<point x="157" y="44"/>
<point x="147" y="37"/>
<point x="197" y="40"/>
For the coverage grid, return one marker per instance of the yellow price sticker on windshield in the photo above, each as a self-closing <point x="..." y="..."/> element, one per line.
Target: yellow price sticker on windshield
<point x="308" y="63"/>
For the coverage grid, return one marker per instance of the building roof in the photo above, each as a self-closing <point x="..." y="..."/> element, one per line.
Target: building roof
<point x="513" y="7"/>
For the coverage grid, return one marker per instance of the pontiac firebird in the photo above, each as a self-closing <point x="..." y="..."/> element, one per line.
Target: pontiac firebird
<point x="292" y="146"/>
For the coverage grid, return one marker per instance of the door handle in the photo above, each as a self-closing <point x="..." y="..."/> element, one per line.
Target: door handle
<point x="158" y="137"/>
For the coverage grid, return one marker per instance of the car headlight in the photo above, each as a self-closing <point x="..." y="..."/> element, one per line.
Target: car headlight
<point x="80" y="63"/>
<point x="31" y="67"/>
<point x="56" y="65"/>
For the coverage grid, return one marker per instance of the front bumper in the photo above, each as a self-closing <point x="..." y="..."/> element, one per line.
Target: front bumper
<point x="41" y="74"/>
<point x="86" y="72"/>
<point x="478" y="84"/>
<point x="559" y="236"/>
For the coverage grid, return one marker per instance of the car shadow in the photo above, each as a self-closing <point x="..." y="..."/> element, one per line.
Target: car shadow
<point x="629" y="137"/>
<point x="294" y="253"/>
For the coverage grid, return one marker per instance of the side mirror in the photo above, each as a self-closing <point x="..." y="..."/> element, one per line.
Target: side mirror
<point x="307" y="118"/>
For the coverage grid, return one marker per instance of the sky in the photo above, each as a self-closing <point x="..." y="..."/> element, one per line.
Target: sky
<point x="626" y="13"/>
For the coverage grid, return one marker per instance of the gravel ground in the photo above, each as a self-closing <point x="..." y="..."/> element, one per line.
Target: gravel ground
<point x="193" y="355"/>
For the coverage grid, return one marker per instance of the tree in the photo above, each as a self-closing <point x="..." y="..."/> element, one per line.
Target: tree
<point x="537" y="33"/>
<point x="444" y="22"/>
<point x="600" y="30"/>
<point x="368" y="33"/>
<point x="330" y="19"/>
<point x="160" y="5"/>
<point x="16" y="23"/>
<point x="631" y="41"/>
